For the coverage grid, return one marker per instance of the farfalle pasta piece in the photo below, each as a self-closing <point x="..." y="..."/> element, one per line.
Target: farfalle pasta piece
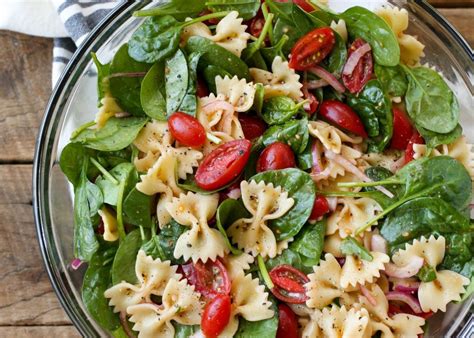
<point x="411" y="50"/>
<point x="353" y="213"/>
<point x="332" y="245"/>
<point x="340" y="28"/>
<point x="179" y="303"/>
<point x="309" y="327"/>
<point x="249" y="301"/>
<point x="152" y="277"/>
<point x="108" y="109"/>
<point x="448" y="285"/>
<point x="282" y="81"/>
<point x="460" y="150"/>
<point x="230" y="33"/>
<point x="331" y="137"/>
<point x="201" y="241"/>
<point x="264" y="202"/>
<point x="153" y="137"/>
<point x="237" y="264"/>
<point x="237" y="92"/>
<point x="110" y="224"/>
<point x="359" y="271"/>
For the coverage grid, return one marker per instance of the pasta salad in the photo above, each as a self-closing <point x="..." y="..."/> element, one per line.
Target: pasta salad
<point x="271" y="169"/>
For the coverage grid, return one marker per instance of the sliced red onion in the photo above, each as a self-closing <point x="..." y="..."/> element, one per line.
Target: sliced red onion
<point x="316" y="156"/>
<point x="411" y="269"/>
<point x="315" y="84"/>
<point x="354" y="58"/>
<point x="378" y="244"/>
<point x="76" y="263"/>
<point x="347" y="165"/>
<point x="126" y="328"/>
<point x="328" y="77"/>
<point x="368" y="295"/>
<point x="398" y="164"/>
<point x="411" y="287"/>
<point x="218" y="105"/>
<point x="406" y="298"/>
<point x="332" y="203"/>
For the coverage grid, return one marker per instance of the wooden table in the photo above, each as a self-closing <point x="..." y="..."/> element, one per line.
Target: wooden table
<point x="28" y="305"/>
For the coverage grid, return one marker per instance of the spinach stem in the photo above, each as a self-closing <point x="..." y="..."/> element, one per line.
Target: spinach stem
<point x="104" y="171"/>
<point x="120" y="226"/>
<point x="264" y="272"/>
<point x="205" y="18"/>
<point x="213" y="139"/>
<point x="142" y="234"/>
<point x="367" y="184"/>
<point x="153" y="227"/>
<point x="265" y="30"/>
<point x="270" y="29"/>
<point x="79" y="130"/>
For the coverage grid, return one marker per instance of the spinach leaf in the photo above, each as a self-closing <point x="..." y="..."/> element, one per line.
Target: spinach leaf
<point x="123" y="268"/>
<point x="300" y="187"/>
<point x="179" y="9"/>
<point x="294" y="133"/>
<point x="137" y="208"/>
<point x="433" y="139"/>
<point x="117" y="134"/>
<point x="110" y="159"/>
<point x="152" y="92"/>
<point x="210" y="72"/>
<point x="288" y="257"/>
<point x="305" y="158"/>
<point x="156" y="39"/>
<point x="430" y="102"/>
<point x="189" y="184"/>
<point x="87" y="201"/>
<point x="259" y="98"/>
<point x="247" y="8"/>
<point x="103" y="72"/>
<point x="184" y="331"/>
<point x="335" y="62"/>
<point x="375" y="110"/>
<point x="393" y="79"/>
<point x="459" y="255"/>
<point x="280" y="109"/>
<point x="126" y="89"/>
<point x="309" y="243"/>
<point x="324" y="15"/>
<point x="426" y="274"/>
<point x="228" y="212"/>
<point x="153" y="248"/>
<point x="168" y="237"/>
<point x="124" y="172"/>
<point x="363" y="23"/>
<point x="97" y="279"/>
<point x="270" y="53"/>
<point x="350" y="247"/>
<point x="176" y="79"/>
<point x="266" y="328"/>
<point x="213" y="54"/>
<point x="380" y="174"/>
<point x="189" y="103"/>
<point x="72" y="159"/>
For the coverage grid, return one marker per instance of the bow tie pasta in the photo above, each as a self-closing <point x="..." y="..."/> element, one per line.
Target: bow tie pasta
<point x="237" y="92"/>
<point x="331" y="137"/>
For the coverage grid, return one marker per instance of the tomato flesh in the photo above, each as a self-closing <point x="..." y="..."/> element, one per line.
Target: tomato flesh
<point x="409" y="152"/>
<point x="402" y="130"/>
<point x="320" y="208"/>
<point x="362" y="72"/>
<point x="252" y="127"/>
<point x="312" y="48"/>
<point x="342" y="116"/>
<point x="276" y="156"/>
<point x="223" y="164"/>
<point x="209" y="279"/>
<point x="287" y="322"/>
<point x="289" y="284"/>
<point x="187" y="130"/>
<point x="216" y="316"/>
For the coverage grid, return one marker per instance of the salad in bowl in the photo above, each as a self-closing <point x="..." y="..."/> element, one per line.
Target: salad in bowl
<point x="271" y="169"/>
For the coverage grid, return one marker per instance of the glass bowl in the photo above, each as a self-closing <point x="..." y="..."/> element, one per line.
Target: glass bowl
<point x="73" y="103"/>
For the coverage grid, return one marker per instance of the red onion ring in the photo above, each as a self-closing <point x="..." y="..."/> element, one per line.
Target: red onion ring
<point x="406" y="298"/>
<point x="378" y="244"/>
<point x="412" y="287"/>
<point x="328" y="77"/>
<point x="368" y="295"/>
<point x="126" y="328"/>
<point x="411" y="269"/>
<point x="76" y="263"/>
<point x="315" y="84"/>
<point x="354" y="58"/>
<point x="217" y="105"/>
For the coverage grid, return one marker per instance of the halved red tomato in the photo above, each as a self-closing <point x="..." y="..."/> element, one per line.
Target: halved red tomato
<point x="320" y="208"/>
<point x="363" y="70"/>
<point x="287" y="322"/>
<point x="252" y="126"/>
<point x="289" y="284"/>
<point x="209" y="279"/>
<point x="187" y="129"/>
<point x="223" y="164"/>
<point x="409" y="152"/>
<point x="312" y="48"/>
<point x="216" y="316"/>
<point x="402" y="130"/>
<point x="342" y="116"/>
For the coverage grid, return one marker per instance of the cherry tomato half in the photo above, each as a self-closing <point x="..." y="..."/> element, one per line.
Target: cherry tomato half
<point x="209" y="279"/>
<point x="287" y="322"/>
<point x="289" y="284"/>
<point x="223" y="164"/>
<point x="187" y="129"/>
<point x="201" y="89"/>
<point x="342" y="116"/>
<point x="276" y="156"/>
<point x="312" y="48"/>
<point x="252" y="127"/>
<point x="320" y="208"/>
<point x="362" y="72"/>
<point x="216" y="316"/>
<point x="409" y="152"/>
<point x="304" y="4"/>
<point x="402" y="130"/>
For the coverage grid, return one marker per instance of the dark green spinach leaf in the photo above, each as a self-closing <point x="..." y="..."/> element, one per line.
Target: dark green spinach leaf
<point x="228" y="212"/>
<point x="294" y="133"/>
<point x="137" y="208"/>
<point x="168" y="237"/>
<point x="393" y="79"/>
<point x="179" y="9"/>
<point x="351" y="247"/>
<point x="123" y="268"/>
<point x="152" y="93"/>
<point x="279" y="109"/>
<point x="71" y="161"/>
<point x="124" y="172"/>
<point x="176" y="79"/>
<point x="247" y="8"/>
<point x="103" y="72"/>
<point x="210" y="73"/>
<point x="433" y="139"/>
<point x="309" y="243"/>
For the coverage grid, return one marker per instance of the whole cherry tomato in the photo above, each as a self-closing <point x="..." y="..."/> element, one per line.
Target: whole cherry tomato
<point x="320" y="208"/>
<point x="409" y="152"/>
<point x="201" y="89"/>
<point x="223" y="164"/>
<point x="252" y="127"/>
<point x="342" y="116"/>
<point x="289" y="284"/>
<point x="187" y="129"/>
<point x="287" y="322"/>
<point x="362" y="72"/>
<point x="276" y="156"/>
<point x="304" y="4"/>
<point x="312" y="48"/>
<point x="209" y="279"/>
<point x="402" y="130"/>
<point x="216" y="316"/>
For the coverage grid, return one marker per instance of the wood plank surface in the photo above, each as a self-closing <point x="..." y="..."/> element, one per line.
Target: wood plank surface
<point x="28" y="306"/>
